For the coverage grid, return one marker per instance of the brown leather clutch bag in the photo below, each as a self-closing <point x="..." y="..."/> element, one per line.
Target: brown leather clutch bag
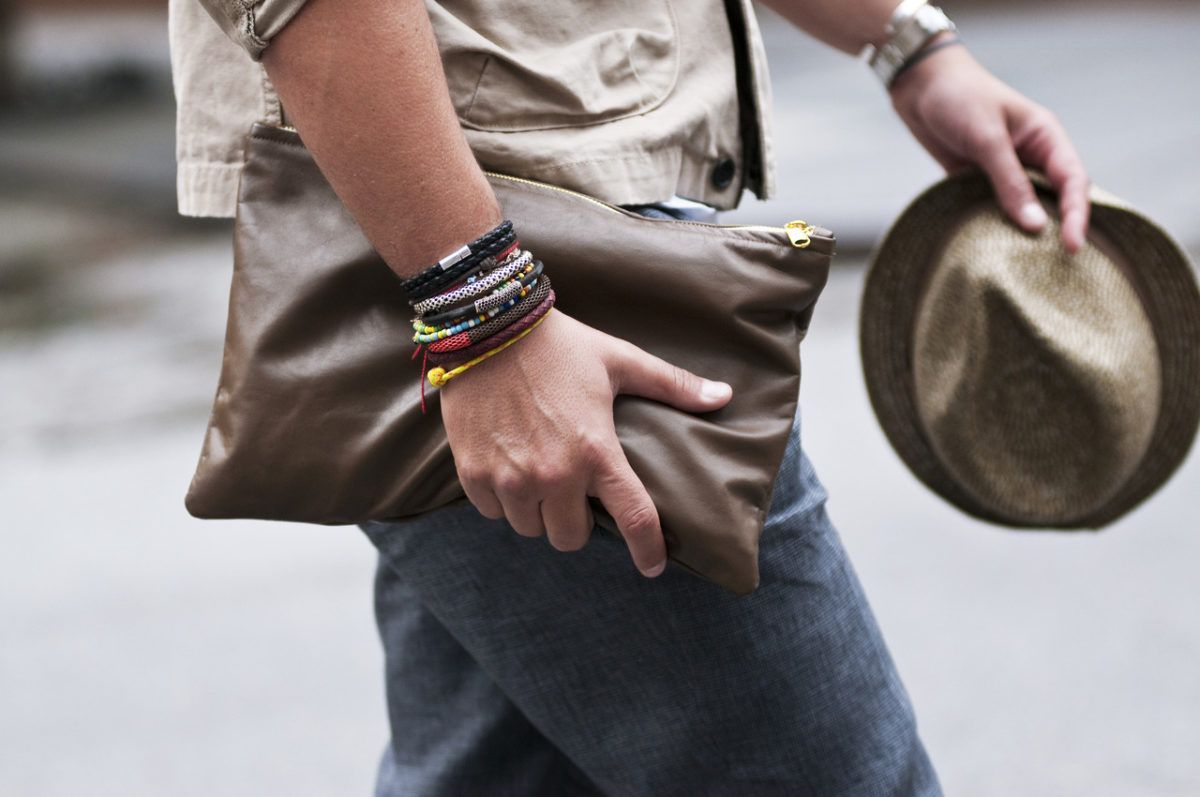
<point x="317" y="415"/>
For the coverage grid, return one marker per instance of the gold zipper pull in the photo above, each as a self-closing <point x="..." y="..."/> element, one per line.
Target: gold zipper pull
<point x="798" y="233"/>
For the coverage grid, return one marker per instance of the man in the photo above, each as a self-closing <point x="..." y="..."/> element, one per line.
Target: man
<point x="513" y="668"/>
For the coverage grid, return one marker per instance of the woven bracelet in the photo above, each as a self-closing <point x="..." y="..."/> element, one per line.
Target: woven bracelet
<point x="462" y="327"/>
<point x="486" y="329"/>
<point x="481" y="285"/>
<point x="499" y="322"/>
<point x="459" y="263"/>
<point x="452" y="358"/>
<point x="484" y="304"/>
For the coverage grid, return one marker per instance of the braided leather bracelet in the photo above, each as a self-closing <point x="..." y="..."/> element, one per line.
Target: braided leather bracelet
<point x="458" y="264"/>
<point x="482" y="261"/>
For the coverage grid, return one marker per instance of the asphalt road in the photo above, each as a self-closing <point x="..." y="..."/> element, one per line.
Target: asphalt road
<point x="146" y="653"/>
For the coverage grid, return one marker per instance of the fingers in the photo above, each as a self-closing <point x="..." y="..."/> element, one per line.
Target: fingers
<point x="537" y="504"/>
<point x="1065" y="170"/>
<point x="520" y="500"/>
<point x="998" y="157"/>
<point x="639" y="373"/>
<point x="568" y="520"/>
<point x="562" y="513"/>
<point x="1042" y="142"/>
<point x="1074" y="204"/>
<point x="626" y="499"/>
<point x="481" y="497"/>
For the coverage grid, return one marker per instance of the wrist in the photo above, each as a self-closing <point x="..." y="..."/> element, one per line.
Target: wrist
<point x="913" y="26"/>
<point x="925" y="62"/>
<point x="474" y="303"/>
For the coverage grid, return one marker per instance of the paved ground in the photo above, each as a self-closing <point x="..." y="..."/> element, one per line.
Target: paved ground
<point x="145" y="653"/>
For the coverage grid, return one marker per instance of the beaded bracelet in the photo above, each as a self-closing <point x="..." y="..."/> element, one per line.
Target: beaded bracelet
<point x="486" y="329"/>
<point x="440" y="376"/>
<point x="480" y="285"/>
<point x="451" y="358"/>
<point x="476" y="302"/>
<point x="487" y="244"/>
<point x="429" y="333"/>
<point x="430" y="323"/>
<point x="471" y="323"/>
<point x="497" y="297"/>
<point x="498" y="322"/>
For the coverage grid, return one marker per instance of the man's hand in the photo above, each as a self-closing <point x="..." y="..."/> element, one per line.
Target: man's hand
<point x="533" y="435"/>
<point x="964" y="116"/>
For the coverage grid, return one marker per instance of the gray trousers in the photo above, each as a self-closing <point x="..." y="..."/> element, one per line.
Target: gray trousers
<point x="515" y="669"/>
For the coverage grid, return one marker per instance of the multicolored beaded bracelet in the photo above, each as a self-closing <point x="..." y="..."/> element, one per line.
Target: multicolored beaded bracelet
<point x="451" y="358"/>
<point x="493" y="325"/>
<point x="474" y="305"/>
<point x="476" y="302"/>
<point x="463" y="326"/>
<point x="430" y="323"/>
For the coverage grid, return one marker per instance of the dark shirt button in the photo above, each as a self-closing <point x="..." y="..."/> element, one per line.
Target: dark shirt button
<point x="722" y="173"/>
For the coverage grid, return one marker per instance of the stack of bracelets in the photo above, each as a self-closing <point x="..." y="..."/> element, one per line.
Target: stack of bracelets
<point x="476" y="302"/>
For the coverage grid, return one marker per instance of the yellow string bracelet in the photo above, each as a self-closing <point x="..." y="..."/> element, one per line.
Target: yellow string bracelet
<point x="440" y="376"/>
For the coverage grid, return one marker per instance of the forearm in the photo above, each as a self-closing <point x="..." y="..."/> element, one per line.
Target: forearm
<point x="848" y="25"/>
<point x="371" y="102"/>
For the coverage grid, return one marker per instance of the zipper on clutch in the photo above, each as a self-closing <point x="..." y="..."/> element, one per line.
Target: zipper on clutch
<point x="799" y="233"/>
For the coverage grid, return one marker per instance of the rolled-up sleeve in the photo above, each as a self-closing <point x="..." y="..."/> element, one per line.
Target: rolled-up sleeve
<point x="252" y="23"/>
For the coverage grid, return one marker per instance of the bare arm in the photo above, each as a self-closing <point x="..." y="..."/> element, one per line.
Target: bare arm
<point x="963" y="115"/>
<point x="848" y="25"/>
<point x="372" y="104"/>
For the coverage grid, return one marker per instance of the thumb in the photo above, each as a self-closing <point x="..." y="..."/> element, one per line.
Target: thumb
<point x="640" y="373"/>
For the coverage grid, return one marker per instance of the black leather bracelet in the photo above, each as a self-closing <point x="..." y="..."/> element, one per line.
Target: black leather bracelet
<point x="477" y="261"/>
<point x="921" y="55"/>
<point x="460" y="262"/>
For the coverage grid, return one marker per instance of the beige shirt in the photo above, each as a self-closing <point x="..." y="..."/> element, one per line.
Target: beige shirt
<point x="632" y="101"/>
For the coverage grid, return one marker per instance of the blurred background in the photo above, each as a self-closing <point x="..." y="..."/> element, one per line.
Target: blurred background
<point x="146" y="653"/>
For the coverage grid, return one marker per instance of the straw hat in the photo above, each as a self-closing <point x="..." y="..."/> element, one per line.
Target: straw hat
<point x="1024" y="385"/>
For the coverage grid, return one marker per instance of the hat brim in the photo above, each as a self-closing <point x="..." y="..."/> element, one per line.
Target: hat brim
<point x="900" y="269"/>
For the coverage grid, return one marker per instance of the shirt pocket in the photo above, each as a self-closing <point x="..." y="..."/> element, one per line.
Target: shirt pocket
<point x="522" y="65"/>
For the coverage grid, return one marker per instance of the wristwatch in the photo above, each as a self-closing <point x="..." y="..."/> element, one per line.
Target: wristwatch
<point x="913" y="24"/>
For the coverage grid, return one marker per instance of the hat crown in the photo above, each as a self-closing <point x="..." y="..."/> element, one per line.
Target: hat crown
<point x="1036" y="374"/>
